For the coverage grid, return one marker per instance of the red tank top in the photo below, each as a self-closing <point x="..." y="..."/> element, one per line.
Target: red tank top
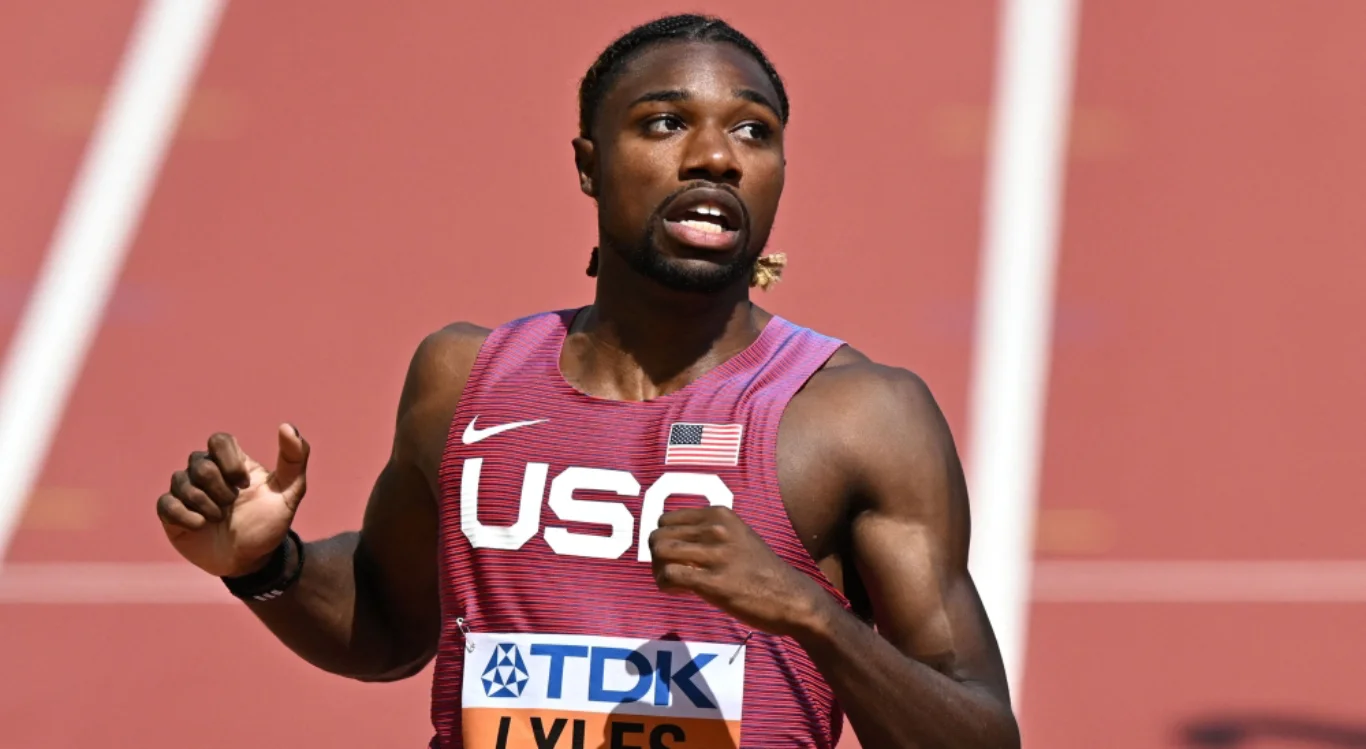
<point x="554" y="632"/>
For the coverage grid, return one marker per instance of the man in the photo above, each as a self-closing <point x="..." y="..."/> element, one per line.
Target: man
<point x="668" y="519"/>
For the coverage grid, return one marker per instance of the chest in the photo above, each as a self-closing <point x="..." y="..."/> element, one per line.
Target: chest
<point x="592" y="483"/>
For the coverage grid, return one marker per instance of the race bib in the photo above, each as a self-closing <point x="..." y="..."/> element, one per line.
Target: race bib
<point x="576" y="692"/>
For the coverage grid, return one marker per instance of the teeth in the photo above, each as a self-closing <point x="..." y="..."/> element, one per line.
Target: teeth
<point x="705" y="226"/>
<point x="706" y="210"/>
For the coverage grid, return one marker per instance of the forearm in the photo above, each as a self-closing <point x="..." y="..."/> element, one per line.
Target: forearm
<point x="896" y="701"/>
<point x="331" y="617"/>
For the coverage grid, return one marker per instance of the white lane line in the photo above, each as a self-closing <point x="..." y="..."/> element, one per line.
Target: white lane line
<point x="92" y="236"/>
<point x="1272" y="581"/>
<point x="109" y="582"/>
<point x="1015" y="307"/>
<point x="1055" y="582"/>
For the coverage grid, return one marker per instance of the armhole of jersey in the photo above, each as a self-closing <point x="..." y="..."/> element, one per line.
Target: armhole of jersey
<point x="467" y="393"/>
<point x="489" y="351"/>
<point x="775" y="408"/>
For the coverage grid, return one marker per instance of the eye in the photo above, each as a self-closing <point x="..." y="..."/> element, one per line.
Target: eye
<point x="663" y="125"/>
<point x="754" y="131"/>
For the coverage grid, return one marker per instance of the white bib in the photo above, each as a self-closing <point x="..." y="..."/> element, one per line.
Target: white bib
<point x="576" y="692"/>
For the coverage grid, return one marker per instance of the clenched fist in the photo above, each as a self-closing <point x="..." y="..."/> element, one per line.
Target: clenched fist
<point x="225" y="512"/>
<point x="712" y="553"/>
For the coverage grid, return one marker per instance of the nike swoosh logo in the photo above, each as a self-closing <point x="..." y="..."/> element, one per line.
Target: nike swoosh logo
<point x="473" y="435"/>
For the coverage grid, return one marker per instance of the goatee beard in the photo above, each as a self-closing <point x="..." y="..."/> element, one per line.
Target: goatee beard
<point x="648" y="260"/>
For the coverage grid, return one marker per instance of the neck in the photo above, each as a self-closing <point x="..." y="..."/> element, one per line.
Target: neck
<point x="640" y="340"/>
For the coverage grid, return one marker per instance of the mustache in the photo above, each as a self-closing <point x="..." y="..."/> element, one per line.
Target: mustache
<point x="664" y="204"/>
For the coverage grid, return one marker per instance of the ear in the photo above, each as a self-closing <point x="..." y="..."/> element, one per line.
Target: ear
<point x="586" y="160"/>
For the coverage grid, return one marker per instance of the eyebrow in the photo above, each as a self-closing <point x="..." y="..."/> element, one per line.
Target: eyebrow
<point x="748" y="94"/>
<point x="670" y="95"/>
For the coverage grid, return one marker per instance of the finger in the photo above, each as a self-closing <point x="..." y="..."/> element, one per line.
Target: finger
<point x="174" y="514"/>
<point x="194" y="498"/>
<point x="232" y="462"/>
<point x="675" y="548"/>
<point x="678" y="578"/>
<point x="693" y="516"/>
<point x="708" y="530"/>
<point x="291" y="463"/>
<point x="206" y="476"/>
<point x="706" y="534"/>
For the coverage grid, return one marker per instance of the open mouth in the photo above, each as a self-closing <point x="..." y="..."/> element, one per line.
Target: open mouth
<point x="705" y="218"/>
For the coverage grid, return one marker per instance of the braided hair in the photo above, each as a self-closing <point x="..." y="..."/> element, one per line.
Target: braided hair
<point x="684" y="28"/>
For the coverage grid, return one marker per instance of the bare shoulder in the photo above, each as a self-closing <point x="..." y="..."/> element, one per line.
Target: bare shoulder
<point x="432" y="388"/>
<point x="861" y="396"/>
<point x="444" y="358"/>
<point x="879" y="424"/>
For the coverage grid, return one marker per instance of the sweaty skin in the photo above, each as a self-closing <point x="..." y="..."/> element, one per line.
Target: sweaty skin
<point x="867" y="467"/>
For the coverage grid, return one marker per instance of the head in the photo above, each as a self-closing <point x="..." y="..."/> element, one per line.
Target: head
<point x="680" y="144"/>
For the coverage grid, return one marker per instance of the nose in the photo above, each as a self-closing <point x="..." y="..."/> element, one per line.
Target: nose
<point x="710" y="155"/>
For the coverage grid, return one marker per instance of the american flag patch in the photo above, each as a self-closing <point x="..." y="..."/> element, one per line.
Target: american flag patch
<point x="703" y="444"/>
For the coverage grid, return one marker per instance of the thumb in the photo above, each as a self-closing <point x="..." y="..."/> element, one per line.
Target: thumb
<point x="291" y="464"/>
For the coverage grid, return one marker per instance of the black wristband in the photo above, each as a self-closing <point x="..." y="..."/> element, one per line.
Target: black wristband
<point x="272" y="580"/>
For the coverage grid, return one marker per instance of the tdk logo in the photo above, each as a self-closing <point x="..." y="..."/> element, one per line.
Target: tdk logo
<point x="506" y="674"/>
<point x="600" y="674"/>
<point x="647" y="675"/>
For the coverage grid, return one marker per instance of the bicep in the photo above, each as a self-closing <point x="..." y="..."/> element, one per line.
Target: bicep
<point x="910" y="543"/>
<point x="396" y="557"/>
<point x="924" y="601"/>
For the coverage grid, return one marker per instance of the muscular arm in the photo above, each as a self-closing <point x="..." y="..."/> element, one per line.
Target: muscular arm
<point x="366" y="605"/>
<point x="866" y="457"/>
<point x="930" y="676"/>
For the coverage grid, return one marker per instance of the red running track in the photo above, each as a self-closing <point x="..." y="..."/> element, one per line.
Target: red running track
<point x="349" y="176"/>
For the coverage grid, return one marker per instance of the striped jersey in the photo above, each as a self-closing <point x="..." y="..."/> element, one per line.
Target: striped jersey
<point x="554" y="633"/>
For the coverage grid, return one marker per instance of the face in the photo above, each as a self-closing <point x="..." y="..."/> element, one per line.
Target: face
<point x="686" y="165"/>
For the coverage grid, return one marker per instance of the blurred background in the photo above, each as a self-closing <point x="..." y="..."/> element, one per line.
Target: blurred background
<point x="320" y="184"/>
